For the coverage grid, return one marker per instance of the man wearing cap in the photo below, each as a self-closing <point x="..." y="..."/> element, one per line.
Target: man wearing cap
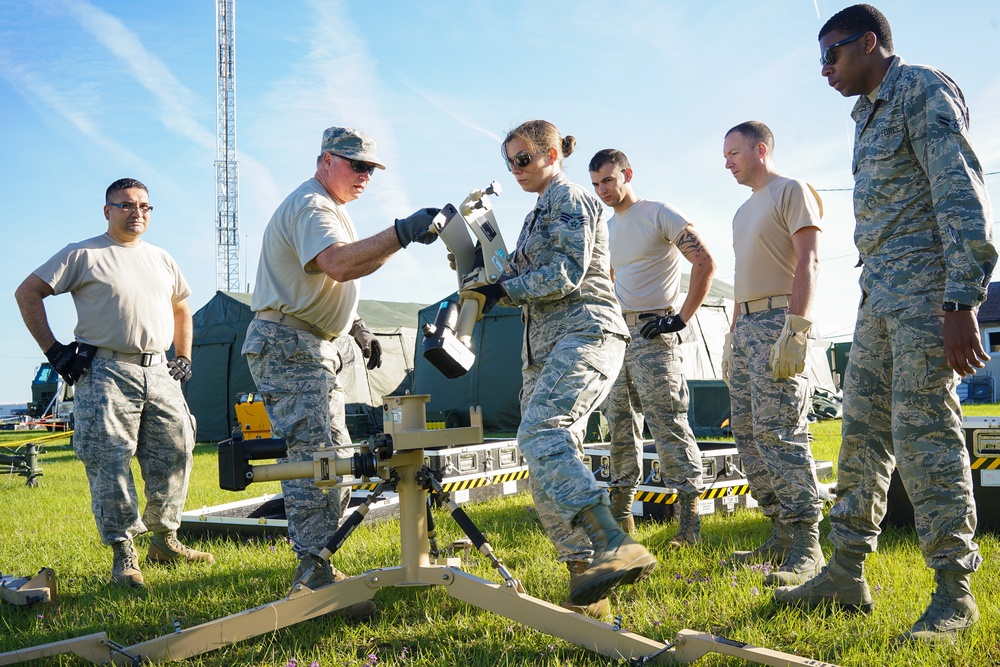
<point x="647" y="240"/>
<point x="131" y="304"/>
<point x="775" y="239"/>
<point x="305" y="300"/>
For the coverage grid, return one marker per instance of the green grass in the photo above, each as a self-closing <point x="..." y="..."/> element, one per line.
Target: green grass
<point x="51" y="526"/>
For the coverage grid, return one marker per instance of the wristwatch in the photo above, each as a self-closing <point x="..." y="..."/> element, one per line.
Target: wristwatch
<point x="952" y="306"/>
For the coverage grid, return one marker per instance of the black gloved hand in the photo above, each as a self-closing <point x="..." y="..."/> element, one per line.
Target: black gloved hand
<point x="660" y="324"/>
<point x="490" y="295"/>
<point x="417" y="227"/>
<point x="180" y="368"/>
<point x="61" y="357"/>
<point x="370" y="346"/>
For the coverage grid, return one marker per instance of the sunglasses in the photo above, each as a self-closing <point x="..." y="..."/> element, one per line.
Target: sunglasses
<point x="359" y="166"/>
<point x="522" y="159"/>
<point x="828" y="57"/>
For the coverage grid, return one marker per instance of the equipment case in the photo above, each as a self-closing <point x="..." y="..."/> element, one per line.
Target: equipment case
<point x="982" y="441"/>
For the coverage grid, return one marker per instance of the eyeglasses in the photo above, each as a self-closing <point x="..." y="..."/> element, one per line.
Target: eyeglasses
<point x="522" y="159"/>
<point x="130" y="208"/>
<point x="359" y="166"/>
<point x="828" y="57"/>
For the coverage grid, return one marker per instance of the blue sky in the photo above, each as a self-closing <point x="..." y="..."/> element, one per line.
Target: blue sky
<point x="93" y="91"/>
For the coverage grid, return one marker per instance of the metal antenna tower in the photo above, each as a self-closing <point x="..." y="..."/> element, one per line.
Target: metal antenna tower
<point x="227" y="238"/>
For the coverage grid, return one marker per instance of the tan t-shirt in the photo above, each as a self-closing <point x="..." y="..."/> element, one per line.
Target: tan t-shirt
<point x="647" y="264"/>
<point x="305" y="224"/>
<point x="762" y="236"/>
<point x="124" y="295"/>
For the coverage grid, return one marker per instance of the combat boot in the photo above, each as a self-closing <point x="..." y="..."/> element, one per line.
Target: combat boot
<point x="165" y="548"/>
<point x="125" y="570"/>
<point x="621" y="507"/>
<point x="324" y="574"/>
<point x="689" y="530"/>
<point x="601" y="610"/>
<point x="842" y="583"/>
<point x="618" y="559"/>
<point x="774" y="549"/>
<point x="805" y="559"/>
<point x="952" y="609"/>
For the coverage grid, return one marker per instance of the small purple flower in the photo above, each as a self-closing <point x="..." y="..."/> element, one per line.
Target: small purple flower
<point x="878" y="587"/>
<point x="755" y="591"/>
<point x="314" y="663"/>
<point x="41" y="617"/>
<point x="551" y="648"/>
<point x="372" y="658"/>
<point x="657" y="624"/>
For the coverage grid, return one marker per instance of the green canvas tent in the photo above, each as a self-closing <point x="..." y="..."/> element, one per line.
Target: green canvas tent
<point x="221" y="374"/>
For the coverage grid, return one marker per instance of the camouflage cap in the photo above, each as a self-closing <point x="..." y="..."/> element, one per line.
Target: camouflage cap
<point x="351" y="144"/>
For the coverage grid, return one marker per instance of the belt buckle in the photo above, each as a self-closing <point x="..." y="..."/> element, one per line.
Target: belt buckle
<point x="146" y="359"/>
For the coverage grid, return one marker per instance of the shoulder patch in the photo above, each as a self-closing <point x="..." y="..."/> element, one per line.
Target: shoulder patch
<point x="572" y="220"/>
<point x="953" y="124"/>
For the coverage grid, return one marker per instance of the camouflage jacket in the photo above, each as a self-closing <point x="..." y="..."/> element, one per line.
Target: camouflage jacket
<point x="924" y="225"/>
<point x="560" y="270"/>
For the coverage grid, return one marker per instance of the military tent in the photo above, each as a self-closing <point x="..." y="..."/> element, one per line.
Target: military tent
<point x="221" y="374"/>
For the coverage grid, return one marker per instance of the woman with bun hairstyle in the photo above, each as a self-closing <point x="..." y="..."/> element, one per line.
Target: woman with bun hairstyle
<point x="574" y="344"/>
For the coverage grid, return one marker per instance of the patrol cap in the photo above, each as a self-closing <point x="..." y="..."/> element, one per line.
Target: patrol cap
<point x="350" y="143"/>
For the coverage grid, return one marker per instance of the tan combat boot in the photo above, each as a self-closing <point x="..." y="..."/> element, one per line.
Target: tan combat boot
<point x="952" y="609"/>
<point x="125" y="570"/>
<point x="621" y="507"/>
<point x="601" y="610"/>
<point x="324" y="574"/>
<point x="166" y="548"/>
<point x="805" y="559"/>
<point x="618" y="559"/>
<point x="689" y="520"/>
<point x="774" y="549"/>
<point x="842" y="583"/>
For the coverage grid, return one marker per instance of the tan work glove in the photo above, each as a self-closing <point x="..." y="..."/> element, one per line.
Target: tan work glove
<point x="727" y="357"/>
<point x="788" y="356"/>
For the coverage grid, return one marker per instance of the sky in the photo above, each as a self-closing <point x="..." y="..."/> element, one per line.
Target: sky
<point x="92" y="91"/>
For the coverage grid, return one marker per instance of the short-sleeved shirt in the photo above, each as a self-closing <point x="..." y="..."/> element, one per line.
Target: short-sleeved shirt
<point x="647" y="264"/>
<point x="762" y="237"/>
<point x="924" y="223"/>
<point x="288" y="280"/>
<point x="124" y="294"/>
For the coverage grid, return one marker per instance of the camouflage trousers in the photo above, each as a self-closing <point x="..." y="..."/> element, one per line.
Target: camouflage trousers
<point x="296" y="373"/>
<point x="901" y="409"/>
<point x="121" y="411"/>
<point x="770" y="426"/>
<point x="651" y="386"/>
<point x="557" y="397"/>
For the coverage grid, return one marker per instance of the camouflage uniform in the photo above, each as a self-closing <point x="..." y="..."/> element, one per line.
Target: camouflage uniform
<point x="123" y="410"/>
<point x="651" y="386"/>
<point x="574" y="342"/>
<point x="924" y="232"/>
<point x="296" y="373"/>
<point x="769" y="421"/>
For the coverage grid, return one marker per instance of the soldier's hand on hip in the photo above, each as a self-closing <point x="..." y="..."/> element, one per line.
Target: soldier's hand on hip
<point x="180" y="368"/>
<point x="370" y="346"/>
<point x="61" y="357"/>
<point x="660" y="324"/>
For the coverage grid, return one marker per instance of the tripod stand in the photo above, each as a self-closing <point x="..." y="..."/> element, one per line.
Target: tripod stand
<point x="403" y="463"/>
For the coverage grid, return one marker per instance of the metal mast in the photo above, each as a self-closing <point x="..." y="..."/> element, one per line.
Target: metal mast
<point x="227" y="238"/>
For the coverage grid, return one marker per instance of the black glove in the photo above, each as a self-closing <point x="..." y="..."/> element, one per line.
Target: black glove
<point x="491" y="294"/>
<point x="417" y="227"/>
<point x="371" y="348"/>
<point x="61" y="357"/>
<point x="660" y="324"/>
<point x="180" y="368"/>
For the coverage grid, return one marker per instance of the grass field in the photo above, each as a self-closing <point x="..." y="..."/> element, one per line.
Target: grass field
<point x="51" y="526"/>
